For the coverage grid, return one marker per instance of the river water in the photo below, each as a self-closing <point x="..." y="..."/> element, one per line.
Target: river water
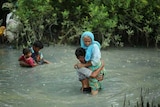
<point x="56" y="85"/>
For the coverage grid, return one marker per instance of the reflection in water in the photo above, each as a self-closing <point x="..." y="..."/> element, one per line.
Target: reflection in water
<point x="56" y="84"/>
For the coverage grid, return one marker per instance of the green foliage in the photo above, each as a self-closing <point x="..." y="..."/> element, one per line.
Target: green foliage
<point x="114" y="22"/>
<point x="35" y="15"/>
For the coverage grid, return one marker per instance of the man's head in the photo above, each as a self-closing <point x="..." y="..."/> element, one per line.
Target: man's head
<point x="37" y="46"/>
<point x="80" y="54"/>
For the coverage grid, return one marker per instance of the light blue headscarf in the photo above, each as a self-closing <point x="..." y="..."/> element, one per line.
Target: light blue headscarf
<point x="89" y="48"/>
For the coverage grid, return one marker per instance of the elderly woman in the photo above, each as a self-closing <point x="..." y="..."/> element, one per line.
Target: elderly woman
<point x="92" y="58"/>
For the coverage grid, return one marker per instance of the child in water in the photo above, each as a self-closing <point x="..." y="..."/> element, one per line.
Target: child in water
<point x="93" y="59"/>
<point x="26" y="58"/>
<point x="36" y="54"/>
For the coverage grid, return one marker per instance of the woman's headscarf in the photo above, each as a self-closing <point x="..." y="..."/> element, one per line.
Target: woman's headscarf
<point x="89" y="48"/>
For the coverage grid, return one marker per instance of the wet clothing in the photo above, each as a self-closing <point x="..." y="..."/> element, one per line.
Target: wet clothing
<point x="93" y="82"/>
<point x="91" y="48"/>
<point x="93" y="54"/>
<point x="96" y="56"/>
<point x="29" y="61"/>
<point x="83" y="73"/>
<point x="34" y="56"/>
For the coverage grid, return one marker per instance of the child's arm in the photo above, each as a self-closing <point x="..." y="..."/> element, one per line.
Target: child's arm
<point x="39" y="58"/>
<point x="80" y="65"/>
<point x="45" y="61"/>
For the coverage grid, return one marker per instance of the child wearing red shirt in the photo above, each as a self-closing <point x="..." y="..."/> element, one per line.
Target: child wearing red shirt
<point x="26" y="58"/>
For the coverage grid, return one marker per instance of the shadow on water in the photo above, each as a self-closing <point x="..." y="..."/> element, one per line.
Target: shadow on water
<point x="56" y="85"/>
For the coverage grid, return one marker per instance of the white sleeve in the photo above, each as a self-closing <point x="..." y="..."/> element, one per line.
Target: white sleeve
<point x="96" y="55"/>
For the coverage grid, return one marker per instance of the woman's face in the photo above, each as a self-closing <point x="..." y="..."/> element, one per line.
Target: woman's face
<point x="87" y="40"/>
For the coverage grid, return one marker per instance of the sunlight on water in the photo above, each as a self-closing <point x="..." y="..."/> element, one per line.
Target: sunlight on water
<point x="57" y="85"/>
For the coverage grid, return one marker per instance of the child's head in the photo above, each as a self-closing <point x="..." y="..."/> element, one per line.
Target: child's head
<point x="37" y="46"/>
<point x="87" y="38"/>
<point x="27" y="52"/>
<point x="80" y="54"/>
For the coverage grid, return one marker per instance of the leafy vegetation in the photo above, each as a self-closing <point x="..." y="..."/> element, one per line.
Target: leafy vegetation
<point x="114" y="22"/>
